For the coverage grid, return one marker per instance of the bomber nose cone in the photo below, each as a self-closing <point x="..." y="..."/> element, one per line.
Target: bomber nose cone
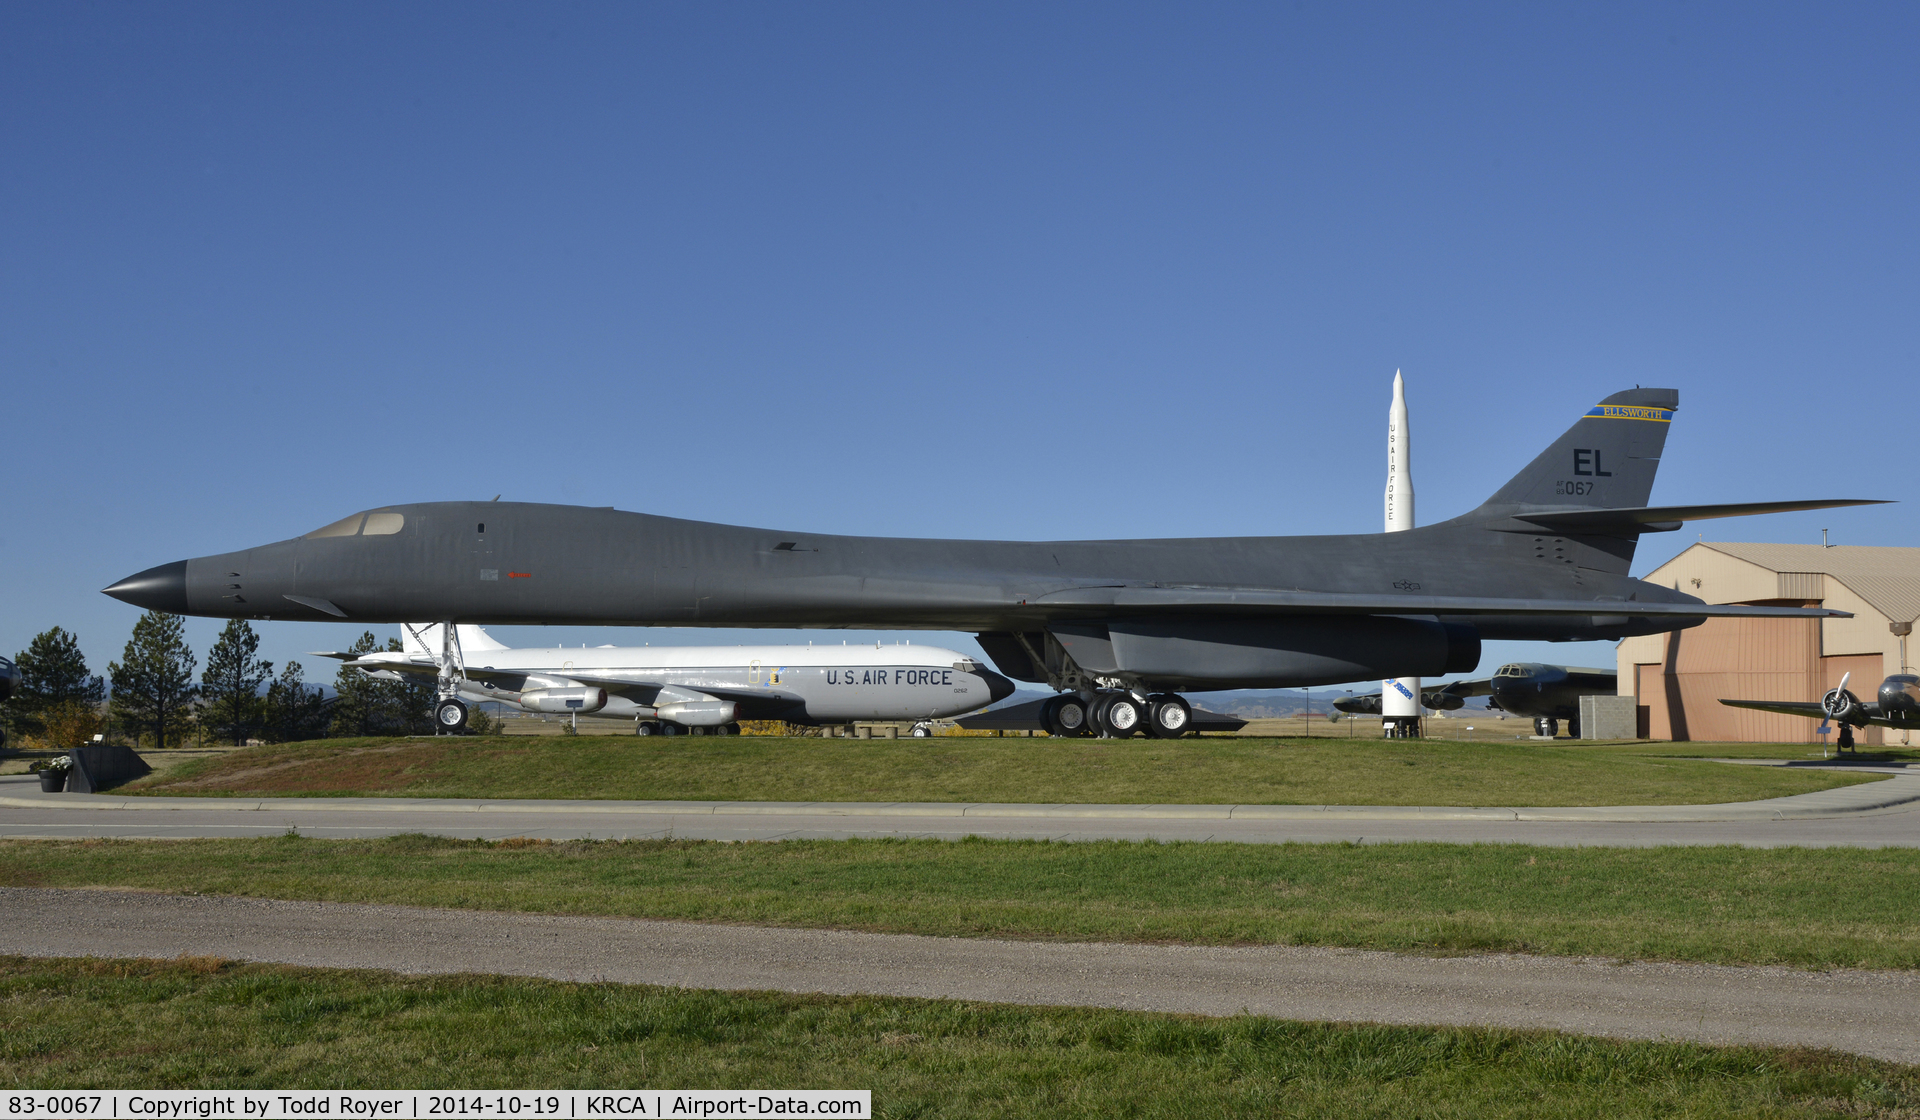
<point x="157" y="589"/>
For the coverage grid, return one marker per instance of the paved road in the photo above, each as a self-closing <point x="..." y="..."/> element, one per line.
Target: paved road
<point x="1875" y="814"/>
<point x="1873" y="1013"/>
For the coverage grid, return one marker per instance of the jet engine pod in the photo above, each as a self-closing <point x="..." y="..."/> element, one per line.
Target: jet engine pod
<point x="580" y="698"/>
<point x="698" y="713"/>
<point x="1271" y="653"/>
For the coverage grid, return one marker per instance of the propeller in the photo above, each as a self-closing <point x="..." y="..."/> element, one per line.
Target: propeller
<point x="1840" y="704"/>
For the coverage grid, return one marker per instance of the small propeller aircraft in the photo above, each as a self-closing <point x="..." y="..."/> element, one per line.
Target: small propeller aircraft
<point x="1897" y="705"/>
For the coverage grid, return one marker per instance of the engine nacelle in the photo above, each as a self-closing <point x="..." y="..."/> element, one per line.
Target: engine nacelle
<point x="581" y="699"/>
<point x="697" y="713"/>
<point x="1841" y="705"/>
<point x="1270" y="653"/>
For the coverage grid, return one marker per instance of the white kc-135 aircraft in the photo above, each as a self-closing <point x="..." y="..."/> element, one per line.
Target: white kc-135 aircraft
<point x="668" y="690"/>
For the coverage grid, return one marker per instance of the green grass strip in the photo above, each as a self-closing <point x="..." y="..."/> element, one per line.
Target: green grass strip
<point x="1809" y="908"/>
<point x="205" y="1023"/>
<point x="1077" y="771"/>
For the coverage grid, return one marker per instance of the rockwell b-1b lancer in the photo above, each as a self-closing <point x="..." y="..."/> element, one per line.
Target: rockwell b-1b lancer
<point x="667" y="690"/>
<point x="1117" y="627"/>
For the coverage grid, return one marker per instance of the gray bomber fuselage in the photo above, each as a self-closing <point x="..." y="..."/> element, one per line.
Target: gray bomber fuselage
<point x="1547" y="557"/>
<point x="568" y="564"/>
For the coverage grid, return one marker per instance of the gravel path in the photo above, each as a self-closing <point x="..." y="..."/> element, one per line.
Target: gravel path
<point x="1872" y="1013"/>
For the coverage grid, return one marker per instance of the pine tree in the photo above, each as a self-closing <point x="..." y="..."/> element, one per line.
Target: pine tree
<point x="356" y="708"/>
<point x="369" y="705"/>
<point x="232" y="706"/>
<point x="153" y="684"/>
<point x="296" y="710"/>
<point x="410" y="699"/>
<point x="53" y="673"/>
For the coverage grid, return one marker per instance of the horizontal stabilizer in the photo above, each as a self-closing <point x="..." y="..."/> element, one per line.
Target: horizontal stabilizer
<point x="1642" y="519"/>
<point x="1257" y="601"/>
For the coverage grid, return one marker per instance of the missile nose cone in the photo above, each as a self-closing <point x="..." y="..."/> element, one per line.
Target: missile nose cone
<point x="157" y="589"/>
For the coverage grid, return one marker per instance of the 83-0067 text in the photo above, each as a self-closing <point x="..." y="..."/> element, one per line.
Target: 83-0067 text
<point x="375" y="1104"/>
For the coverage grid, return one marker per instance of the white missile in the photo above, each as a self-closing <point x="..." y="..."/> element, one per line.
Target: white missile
<point x="1399" y="699"/>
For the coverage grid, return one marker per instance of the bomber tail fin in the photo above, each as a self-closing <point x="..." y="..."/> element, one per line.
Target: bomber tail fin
<point x="1590" y="488"/>
<point x="1606" y="460"/>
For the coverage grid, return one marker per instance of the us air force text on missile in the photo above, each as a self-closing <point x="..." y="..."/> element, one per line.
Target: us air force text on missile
<point x="253" y="1104"/>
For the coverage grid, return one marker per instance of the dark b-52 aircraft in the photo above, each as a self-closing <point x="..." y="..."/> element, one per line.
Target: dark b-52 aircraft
<point x="1897" y="705"/>
<point x="1117" y="627"/>
<point x="1546" y="694"/>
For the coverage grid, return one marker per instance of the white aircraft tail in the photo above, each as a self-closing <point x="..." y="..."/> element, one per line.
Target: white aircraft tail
<point x="424" y="637"/>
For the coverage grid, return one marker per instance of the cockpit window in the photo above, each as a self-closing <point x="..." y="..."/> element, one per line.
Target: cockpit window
<point x="345" y="527"/>
<point x="380" y="523"/>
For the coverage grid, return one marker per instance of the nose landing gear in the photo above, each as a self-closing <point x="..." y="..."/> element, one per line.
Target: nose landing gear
<point x="450" y="715"/>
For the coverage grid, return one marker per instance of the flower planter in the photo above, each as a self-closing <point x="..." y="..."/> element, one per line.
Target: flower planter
<point x="53" y="781"/>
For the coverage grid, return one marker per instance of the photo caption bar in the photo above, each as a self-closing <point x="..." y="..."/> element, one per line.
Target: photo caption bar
<point x="426" y="1104"/>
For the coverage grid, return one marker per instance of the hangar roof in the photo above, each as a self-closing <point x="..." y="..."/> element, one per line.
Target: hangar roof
<point x="1889" y="578"/>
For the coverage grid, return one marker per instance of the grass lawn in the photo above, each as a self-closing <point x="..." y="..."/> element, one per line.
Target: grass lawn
<point x="1804" y="907"/>
<point x="1082" y="771"/>
<point x="205" y="1023"/>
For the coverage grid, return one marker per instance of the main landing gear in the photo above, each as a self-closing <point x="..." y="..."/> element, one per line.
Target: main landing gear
<point x="1114" y="714"/>
<point x="662" y="727"/>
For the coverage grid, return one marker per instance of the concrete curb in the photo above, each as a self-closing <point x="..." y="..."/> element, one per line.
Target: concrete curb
<point x="1900" y="789"/>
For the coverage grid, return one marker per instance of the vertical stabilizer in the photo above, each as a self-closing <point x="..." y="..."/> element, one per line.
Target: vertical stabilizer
<point x="1606" y="460"/>
<point x="424" y="637"/>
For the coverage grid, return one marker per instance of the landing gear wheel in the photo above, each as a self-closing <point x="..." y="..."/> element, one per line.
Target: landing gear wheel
<point x="450" y="716"/>
<point x="1067" y="716"/>
<point x="1846" y="736"/>
<point x="643" y="727"/>
<point x="671" y="729"/>
<point x="921" y="731"/>
<point x="730" y="729"/>
<point x="1168" y="717"/>
<point x="1122" y="716"/>
<point x="1573" y="728"/>
<point x="1097" y="715"/>
<point x="1547" y="728"/>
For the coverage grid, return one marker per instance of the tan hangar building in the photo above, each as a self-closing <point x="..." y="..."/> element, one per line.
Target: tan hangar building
<point x="1678" y="679"/>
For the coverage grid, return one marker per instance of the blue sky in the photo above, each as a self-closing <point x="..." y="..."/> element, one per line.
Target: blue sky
<point x="1013" y="271"/>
